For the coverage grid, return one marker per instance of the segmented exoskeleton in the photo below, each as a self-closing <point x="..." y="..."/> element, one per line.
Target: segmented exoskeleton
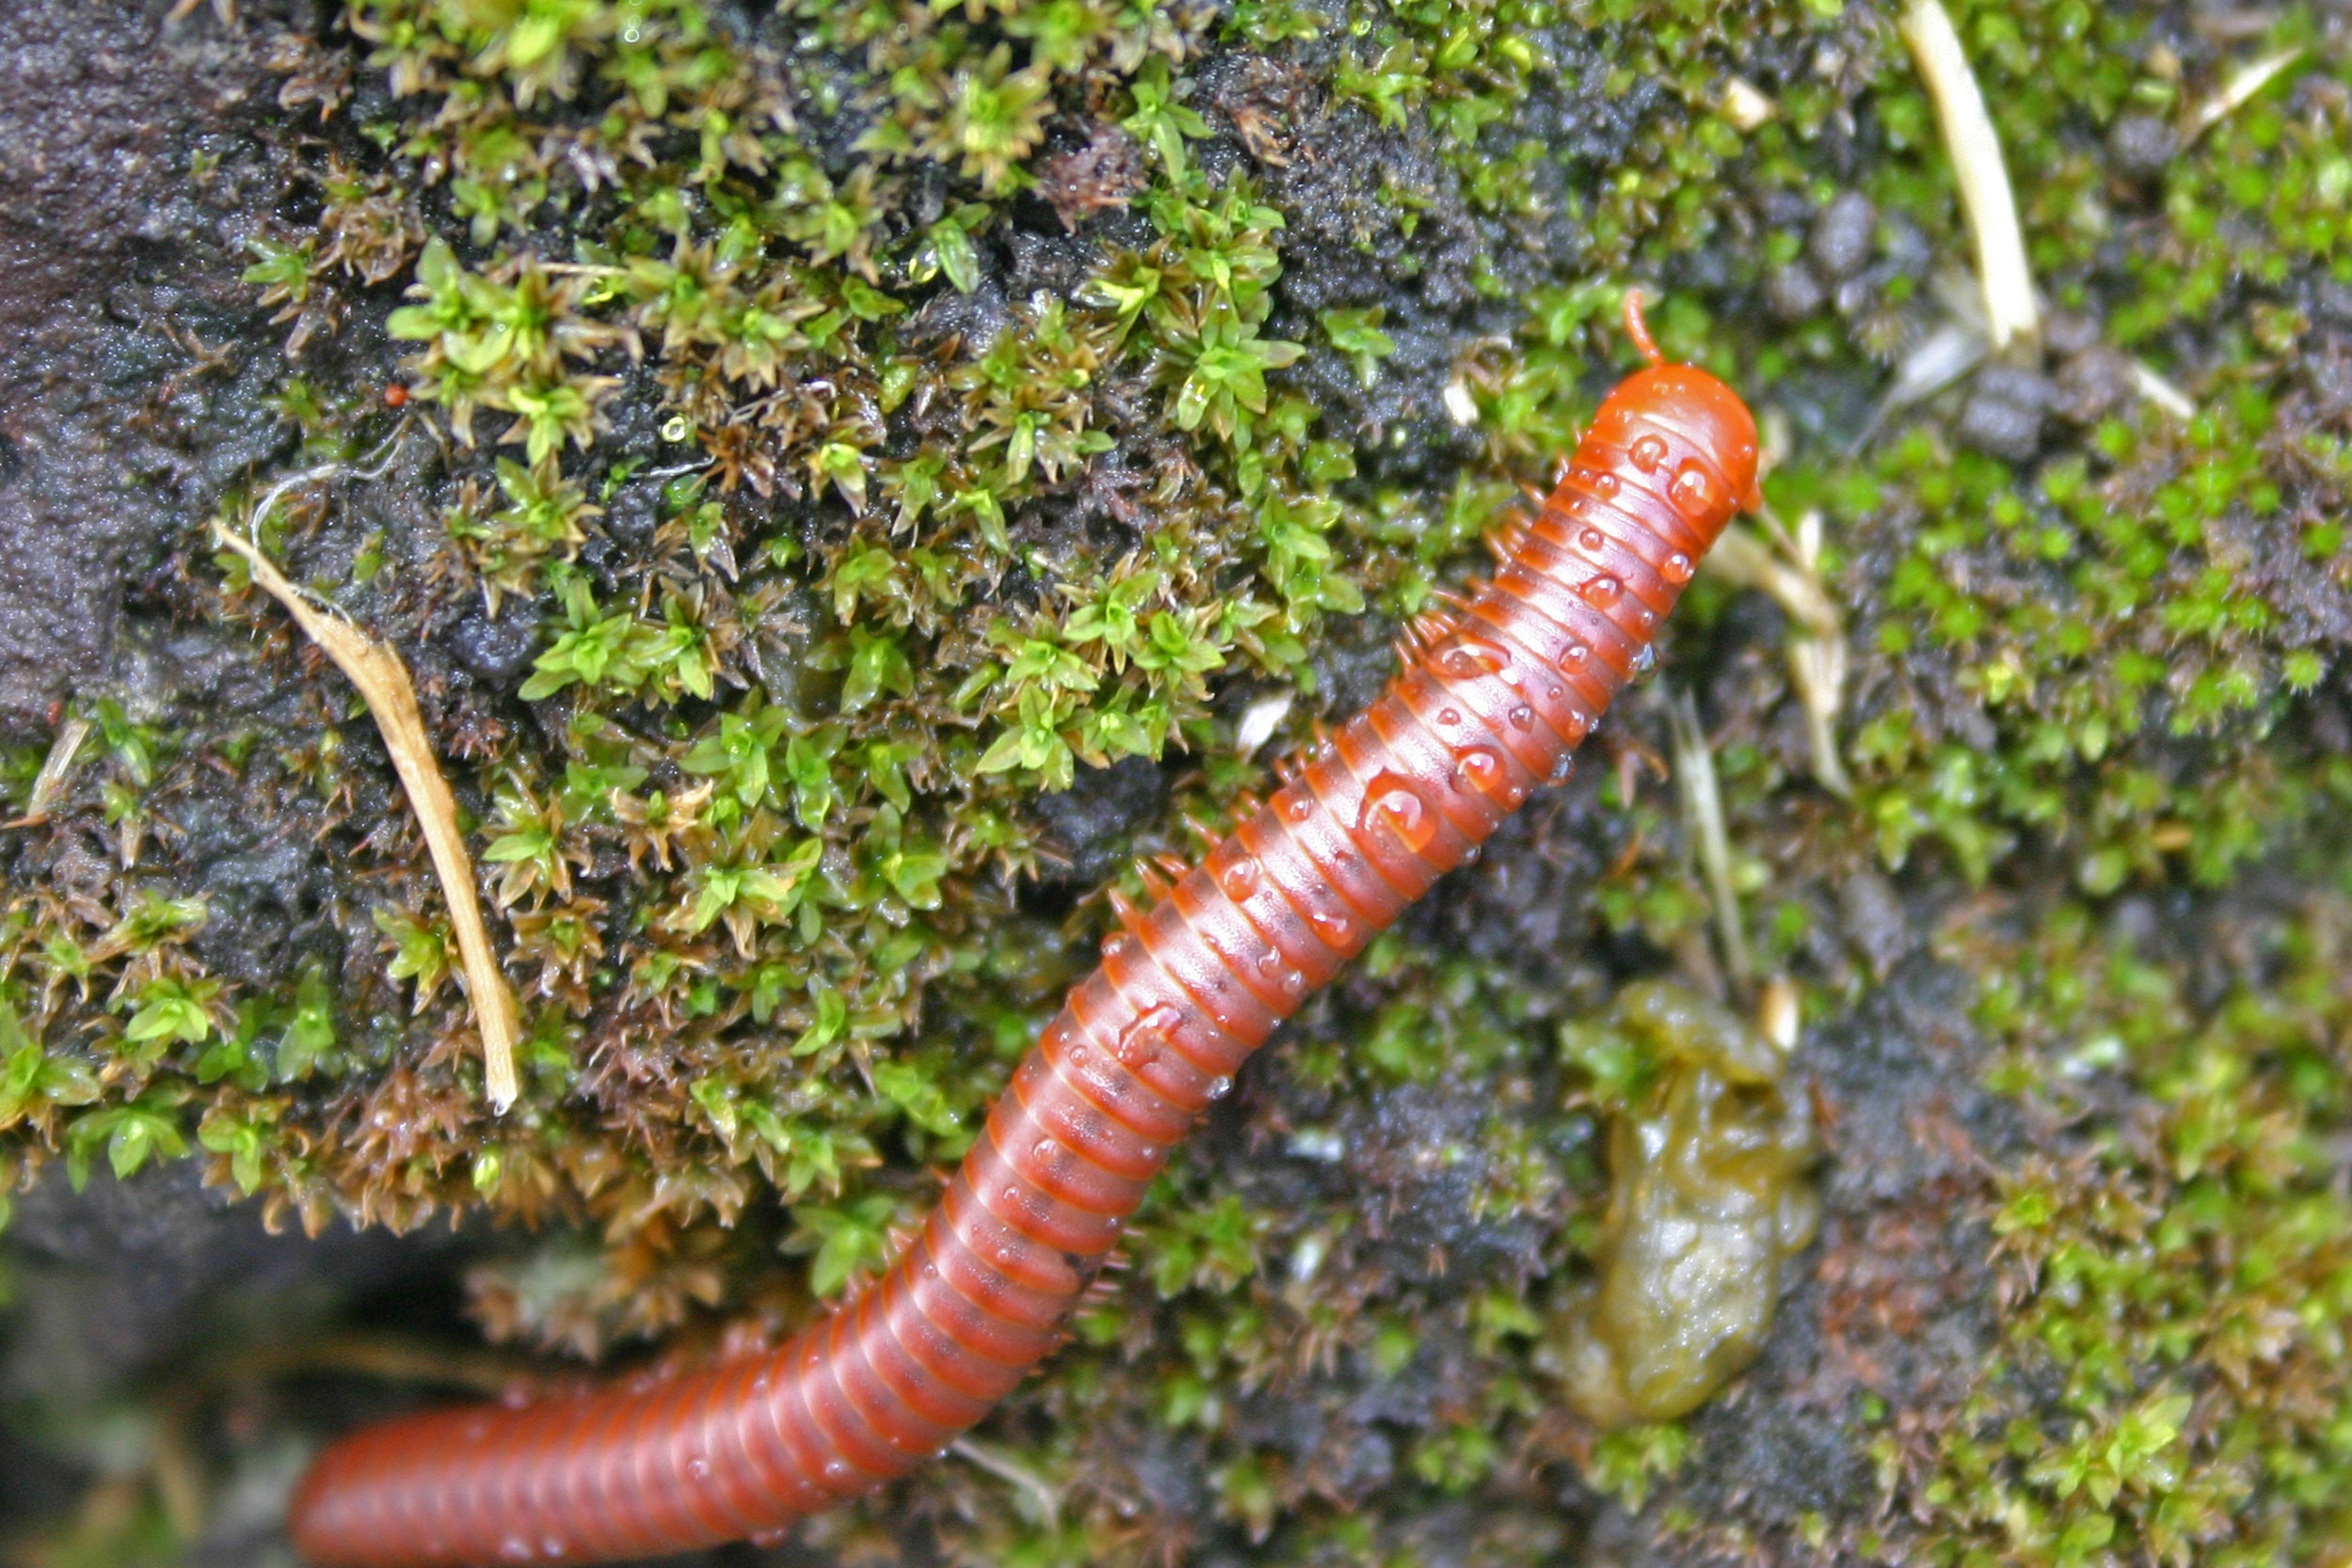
<point x="1491" y="701"/>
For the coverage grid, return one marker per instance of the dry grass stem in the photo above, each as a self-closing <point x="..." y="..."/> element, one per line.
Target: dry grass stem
<point x="2237" y="92"/>
<point x="1044" y="1496"/>
<point x="1702" y="804"/>
<point x="2156" y="389"/>
<point x="56" y="768"/>
<point x="1789" y="569"/>
<point x="384" y="685"/>
<point x="2012" y="321"/>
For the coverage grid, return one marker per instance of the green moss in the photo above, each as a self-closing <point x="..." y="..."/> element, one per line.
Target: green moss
<point x="2170" y="1375"/>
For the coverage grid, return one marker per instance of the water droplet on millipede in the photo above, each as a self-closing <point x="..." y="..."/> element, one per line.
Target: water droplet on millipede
<point x="1047" y="1150"/>
<point x="1479" y="771"/>
<point x="1592" y="540"/>
<point x="1448" y="716"/>
<point x="1645" y="617"/>
<point x="837" y="1469"/>
<point x="1572" y="658"/>
<point x="1004" y="1255"/>
<point x="1563" y="768"/>
<point x="1298" y="808"/>
<point x="515" y="1549"/>
<point x="1579" y="728"/>
<point x="1012" y="1194"/>
<point x="1333" y="927"/>
<point x="1648" y="452"/>
<point x="1521" y="716"/>
<point x="698" y="1468"/>
<point x="1294" y="983"/>
<point x="1141" y="1037"/>
<point x="1221" y="1087"/>
<point x="1691" y="491"/>
<point x="1600" y="592"/>
<point x="1644" y="661"/>
<point x="1238" y="880"/>
<point x="1677" y="568"/>
<point x="1270" y="960"/>
<point x="1473" y="656"/>
<point x="1113" y="945"/>
<point x="1077" y="1055"/>
<point x="1393" y="803"/>
<point x="552" y="1547"/>
<point x="766" y="1538"/>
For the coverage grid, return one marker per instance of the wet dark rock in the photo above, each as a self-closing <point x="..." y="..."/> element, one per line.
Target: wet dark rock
<point x="2142" y="145"/>
<point x="1054" y="263"/>
<point x="131" y="1269"/>
<point x="1875" y="920"/>
<point x="2065" y="333"/>
<point x="1840" y="241"/>
<point x="497" y="649"/>
<point x="2093" y="383"/>
<point x="1795" y="292"/>
<point x="118" y="279"/>
<point x="2004" y="412"/>
<point x="1088" y="824"/>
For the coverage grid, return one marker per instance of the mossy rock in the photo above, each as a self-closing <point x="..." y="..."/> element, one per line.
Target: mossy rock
<point x="850" y="480"/>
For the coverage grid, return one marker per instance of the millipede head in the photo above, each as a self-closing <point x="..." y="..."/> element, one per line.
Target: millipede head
<point x="1679" y="433"/>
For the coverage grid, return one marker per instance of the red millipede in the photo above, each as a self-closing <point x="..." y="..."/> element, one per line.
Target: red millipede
<point x="1490" y="702"/>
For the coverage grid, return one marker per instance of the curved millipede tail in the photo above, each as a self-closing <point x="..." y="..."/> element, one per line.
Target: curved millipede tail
<point x="1490" y="702"/>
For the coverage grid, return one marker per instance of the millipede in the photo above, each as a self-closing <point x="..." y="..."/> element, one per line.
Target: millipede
<point x="1493" y="697"/>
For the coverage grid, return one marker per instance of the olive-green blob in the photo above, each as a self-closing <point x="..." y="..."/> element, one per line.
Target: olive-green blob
<point x="1709" y="1198"/>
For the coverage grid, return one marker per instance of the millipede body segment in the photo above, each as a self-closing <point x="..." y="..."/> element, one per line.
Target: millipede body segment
<point x="1489" y="704"/>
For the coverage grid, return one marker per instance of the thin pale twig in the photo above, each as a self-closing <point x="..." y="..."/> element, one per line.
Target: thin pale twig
<point x="2011" y="319"/>
<point x="391" y="700"/>
<point x="1042" y="1494"/>
<point x="55" y="769"/>
<point x="2237" y="92"/>
<point x="1702" y="802"/>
